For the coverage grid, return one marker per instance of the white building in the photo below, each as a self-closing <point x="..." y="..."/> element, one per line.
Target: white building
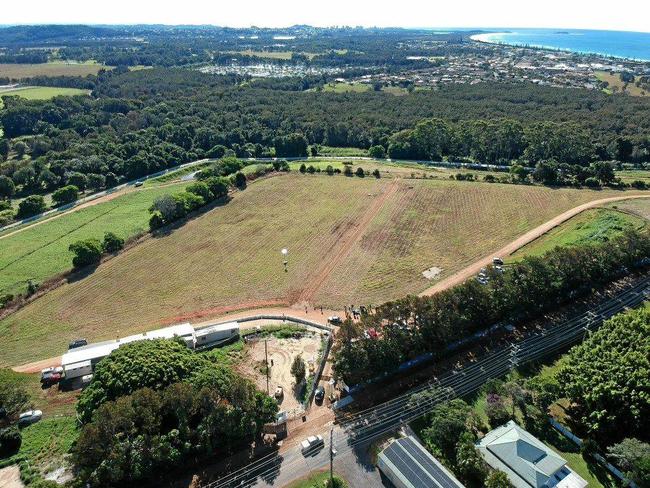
<point x="526" y="460"/>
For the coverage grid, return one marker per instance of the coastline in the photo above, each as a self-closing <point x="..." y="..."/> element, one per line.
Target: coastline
<point x="486" y="39"/>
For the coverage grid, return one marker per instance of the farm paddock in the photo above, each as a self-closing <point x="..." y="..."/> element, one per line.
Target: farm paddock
<point x="351" y="241"/>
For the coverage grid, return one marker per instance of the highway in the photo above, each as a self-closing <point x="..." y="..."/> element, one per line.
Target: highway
<point x="356" y="431"/>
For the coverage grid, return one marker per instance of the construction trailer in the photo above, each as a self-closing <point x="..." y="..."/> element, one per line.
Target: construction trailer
<point x="81" y="361"/>
<point x="215" y="335"/>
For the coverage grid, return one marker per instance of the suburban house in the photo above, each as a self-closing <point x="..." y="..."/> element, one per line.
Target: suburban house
<point x="526" y="460"/>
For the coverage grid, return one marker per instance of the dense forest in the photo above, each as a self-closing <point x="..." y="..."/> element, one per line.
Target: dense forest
<point x="139" y="122"/>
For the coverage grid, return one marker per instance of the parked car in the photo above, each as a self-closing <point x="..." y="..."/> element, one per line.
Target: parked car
<point x="497" y="261"/>
<point x="77" y="343"/>
<point x="320" y="394"/>
<point x="29" y="417"/>
<point x="51" y="378"/>
<point x="138" y="183"/>
<point x="311" y="444"/>
<point x="334" y="319"/>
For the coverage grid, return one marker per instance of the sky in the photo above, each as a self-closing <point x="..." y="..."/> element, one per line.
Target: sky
<point x="581" y="14"/>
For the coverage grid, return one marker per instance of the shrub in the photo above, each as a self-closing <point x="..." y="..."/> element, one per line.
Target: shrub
<point x="10" y="441"/>
<point x="7" y="187"/>
<point x="377" y="152"/>
<point x="86" y="252"/>
<point x="446" y="425"/>
<point x="376" y="173"/>
<point x="112" y="243"/>
<point x="302" y="168"/>
<point x="311" y="170"/>
<point x="496" y="410"/>
<point x="156" y="221"/>
<point x="79" y="180"/>
<point x="201" y="189"/>
<point x="240" y="180"/>
<point x="592" y="182"/>
<point x="218" y="186"/>
<point x="470" y="465"/>
<point x="30" y="206"/>
<point x="188" y="202"/>
<point x="347" y="171"/>
<point x="329" y="170"/>
<point x="6" y="217"/>
<point x="67" y="194"/>
<point x="359" y="172"/>
<point x="497" y="479"/>
<point x="298" y="369"/>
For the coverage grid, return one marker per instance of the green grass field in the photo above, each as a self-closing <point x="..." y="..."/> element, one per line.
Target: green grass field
<point x="54" y="68"/>
<point x="40" y="93"/>
<point x="591" y="226"/>
<point x="361" y="240"/>
<point x="41" y="251"/>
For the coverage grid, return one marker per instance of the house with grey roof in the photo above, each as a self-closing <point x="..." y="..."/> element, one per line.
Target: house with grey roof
<point x="526" y="460"/>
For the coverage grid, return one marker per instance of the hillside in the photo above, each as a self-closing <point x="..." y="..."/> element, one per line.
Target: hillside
<point x="350" y="240"/>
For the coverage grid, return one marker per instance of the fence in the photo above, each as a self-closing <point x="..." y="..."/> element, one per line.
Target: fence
<point x="578" y="442"/>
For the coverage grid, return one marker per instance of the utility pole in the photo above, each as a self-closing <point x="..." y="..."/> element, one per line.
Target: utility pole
<point x="332" y="457"/>
<point x="266" y="354"/>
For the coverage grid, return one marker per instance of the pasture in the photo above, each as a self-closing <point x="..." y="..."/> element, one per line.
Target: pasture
<point x="591" y="226"/>
<point x="42" y="92"/>
<point x="350" y="240"/>
<point x="55" y="68"/>
<point x="41" y="251"/>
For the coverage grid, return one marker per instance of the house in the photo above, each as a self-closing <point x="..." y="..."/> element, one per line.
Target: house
<point x="526" y="460"/>
<point x="409" y="465"/>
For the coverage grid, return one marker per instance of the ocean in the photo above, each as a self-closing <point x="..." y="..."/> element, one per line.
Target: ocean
<point x="631" y="45"/>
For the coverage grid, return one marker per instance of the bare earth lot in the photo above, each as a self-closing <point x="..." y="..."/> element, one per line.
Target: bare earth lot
<point x="282" y="352"/>
<point x="350" y="240"/>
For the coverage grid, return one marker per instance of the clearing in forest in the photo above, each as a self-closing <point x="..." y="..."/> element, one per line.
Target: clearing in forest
<point x="351" y="240"/>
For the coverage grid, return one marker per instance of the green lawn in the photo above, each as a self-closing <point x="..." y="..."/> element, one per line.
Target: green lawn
<point x="342" y="151"/>
<point x="41" y="251"/>
<point x="45" y="444"/>
<point x="594" y="225"/>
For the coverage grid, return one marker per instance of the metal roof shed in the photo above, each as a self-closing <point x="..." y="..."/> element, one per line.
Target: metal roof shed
<point x="409" y="465"/>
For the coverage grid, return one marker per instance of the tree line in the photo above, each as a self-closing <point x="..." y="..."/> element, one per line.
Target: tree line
<point x="411" y="326"/>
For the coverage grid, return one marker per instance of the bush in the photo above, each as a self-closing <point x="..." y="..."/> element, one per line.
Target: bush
<point x="359" y="172"/>
<point x="7" y="187"/>
<point x="112" y="243"/>
<point x="496" y="410"/>
<point x="188" y="202"/>
<point x="240" y="180"/>
<point x="469" y="463"/>
<point x="10" y="441"/>
<point x="347" y="171"/>
<point x="67" y="194"/>
<point x="201" y="189"/>
<point x="311" y="170"/>
<point x="446" y="425"/>
<point x="377" y="152"/>
<point x="86" y="252"/>
<point x="6" y="217"/>
<point x="218" y="186"/>
<point x="497" y="479"/>
<point x="376" y="173"/>
<point x="298" y="370"/>
<point x="592" y="182"/>
<point x="302" y="168"/>
<point x="156" y="221"/>
<point x="30" y="206"/>
<point x="79" y="180"/>
<point x="329" y="170"/>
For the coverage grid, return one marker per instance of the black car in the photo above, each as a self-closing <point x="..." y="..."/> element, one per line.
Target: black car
<point x="320" y="394"/>
<point x="77" y="343"/>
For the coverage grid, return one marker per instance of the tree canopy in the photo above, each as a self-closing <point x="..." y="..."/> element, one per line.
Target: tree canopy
<point x="607" y="378"/>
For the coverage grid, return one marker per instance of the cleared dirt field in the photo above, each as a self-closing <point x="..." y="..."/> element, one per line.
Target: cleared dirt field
<point x="282" y="352"/>
<point x="362" y="240"/>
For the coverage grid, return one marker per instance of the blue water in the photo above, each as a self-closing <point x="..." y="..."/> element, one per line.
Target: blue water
<point x="633" y="45"/>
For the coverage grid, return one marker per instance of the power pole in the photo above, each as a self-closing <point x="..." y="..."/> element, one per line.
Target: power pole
<point x="266" y="354"/>
<point x="332" y="457"/>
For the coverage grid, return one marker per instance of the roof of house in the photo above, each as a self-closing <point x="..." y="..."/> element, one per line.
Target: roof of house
<point x="516" y="452"/>
<point x="414" y="466"/>
<point x="102" y="349"/>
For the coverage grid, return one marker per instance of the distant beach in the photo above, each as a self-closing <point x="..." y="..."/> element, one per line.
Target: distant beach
<point x="629" y="45"/>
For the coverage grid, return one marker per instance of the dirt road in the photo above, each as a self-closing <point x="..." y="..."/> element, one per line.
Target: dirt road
<point x="528" y="237"/>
